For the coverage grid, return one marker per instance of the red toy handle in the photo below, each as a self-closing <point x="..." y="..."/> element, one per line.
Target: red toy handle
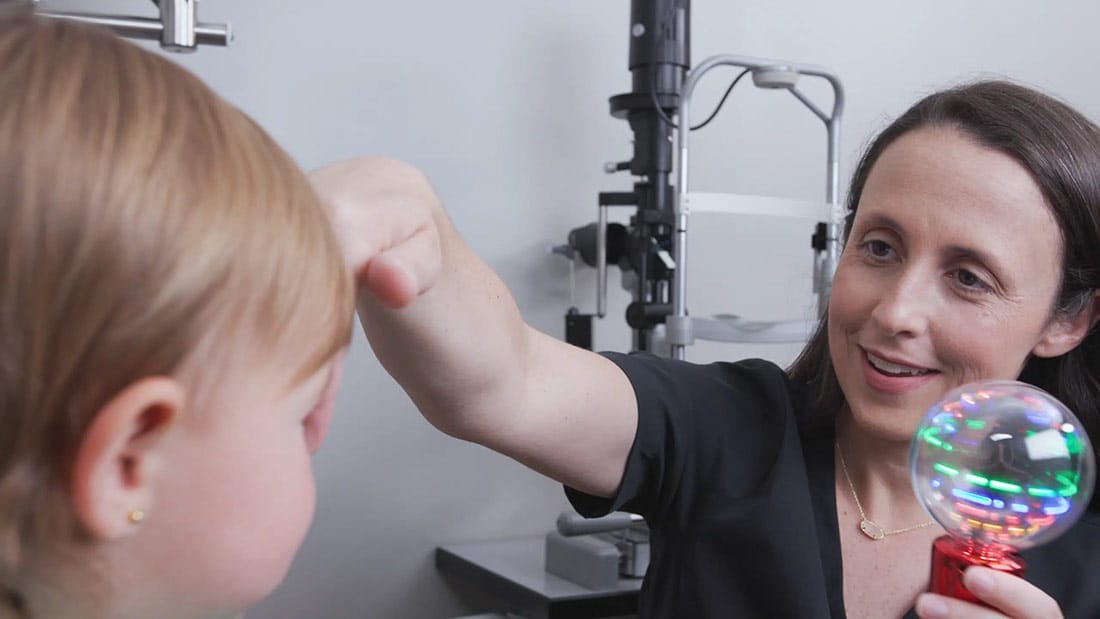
<point x="951" y="556"/>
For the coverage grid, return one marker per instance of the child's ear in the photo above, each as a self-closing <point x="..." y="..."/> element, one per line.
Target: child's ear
<point x="119" y="456"/>
<point x="1064" y="334"/>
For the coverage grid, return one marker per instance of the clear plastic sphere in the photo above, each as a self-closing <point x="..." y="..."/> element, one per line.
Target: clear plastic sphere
<point x="1002" y="463"/>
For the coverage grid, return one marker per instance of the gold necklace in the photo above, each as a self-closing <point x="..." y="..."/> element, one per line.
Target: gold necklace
<point x="869" y="527"/>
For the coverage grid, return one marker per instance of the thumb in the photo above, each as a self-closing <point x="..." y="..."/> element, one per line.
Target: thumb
<point x="399" y="275"/>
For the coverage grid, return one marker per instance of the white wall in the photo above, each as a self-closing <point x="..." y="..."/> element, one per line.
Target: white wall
<point x="504" y="104"/>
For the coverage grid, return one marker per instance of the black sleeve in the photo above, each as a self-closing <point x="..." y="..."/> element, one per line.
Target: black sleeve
<point x="702" y="429"/>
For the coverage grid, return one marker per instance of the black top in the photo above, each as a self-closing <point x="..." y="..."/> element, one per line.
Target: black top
<point x="738" y="492"/>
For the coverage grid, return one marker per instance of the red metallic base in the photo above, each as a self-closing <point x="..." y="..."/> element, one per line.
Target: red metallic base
<point x="951" y="556"/>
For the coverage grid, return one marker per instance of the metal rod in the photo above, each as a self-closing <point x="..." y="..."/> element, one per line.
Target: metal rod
<point x="679" y="325"/>
<point x="147" y="28"/>
<point x="601" y="262"/>
<point x="178" y="17"/>
<point x="823" y="283"/>
<point x="835" y="225"/>
<point x="679" y="321"/>
<point x="810" y="104"/>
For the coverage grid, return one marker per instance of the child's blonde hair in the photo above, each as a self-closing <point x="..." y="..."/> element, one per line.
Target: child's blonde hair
<point x="147" y="227"/>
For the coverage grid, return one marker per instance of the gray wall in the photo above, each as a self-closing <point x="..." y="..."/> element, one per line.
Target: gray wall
<point x="504" y="104"/>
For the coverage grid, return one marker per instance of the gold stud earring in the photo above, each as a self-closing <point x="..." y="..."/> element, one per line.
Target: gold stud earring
<point x="135" y="516"/>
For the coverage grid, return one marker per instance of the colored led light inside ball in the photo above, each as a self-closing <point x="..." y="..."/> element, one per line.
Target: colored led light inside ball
<point x="1003" y="466"/>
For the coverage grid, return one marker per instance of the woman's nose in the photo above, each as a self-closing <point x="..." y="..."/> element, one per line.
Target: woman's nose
<point x="902" y="307"/>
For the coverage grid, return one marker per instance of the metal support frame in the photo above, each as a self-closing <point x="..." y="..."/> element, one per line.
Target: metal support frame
<point x="679" y="329"/>
<point x="177" y="28"/>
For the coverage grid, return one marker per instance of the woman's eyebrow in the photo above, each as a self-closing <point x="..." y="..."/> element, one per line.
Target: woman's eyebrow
<point x="882" y="220"/>
<point x="977" y="255"/>
<point x="990" y="260"/>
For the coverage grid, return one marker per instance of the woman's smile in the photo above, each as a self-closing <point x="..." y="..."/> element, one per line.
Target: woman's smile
<point x="892" y="377"/>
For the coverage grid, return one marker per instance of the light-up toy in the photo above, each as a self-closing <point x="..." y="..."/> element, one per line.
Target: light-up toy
<point x="1003" y="466"/>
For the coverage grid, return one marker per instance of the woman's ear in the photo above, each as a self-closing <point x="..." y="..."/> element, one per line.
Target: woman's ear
<point x="119" y="456"/>
<point x="1064" y="334"/>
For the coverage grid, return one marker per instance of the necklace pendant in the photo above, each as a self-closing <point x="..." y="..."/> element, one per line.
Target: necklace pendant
<point x="871" y="529"/>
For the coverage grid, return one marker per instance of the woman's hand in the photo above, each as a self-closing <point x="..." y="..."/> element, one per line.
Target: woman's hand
<point x="1008" y="595"/>
<point x="459" y="345"/>
<point x="385" y="213"/>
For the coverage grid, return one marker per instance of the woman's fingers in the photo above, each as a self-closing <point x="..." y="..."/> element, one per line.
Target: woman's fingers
<point x="1012" y="595"/>
<point x="384" y="213"/>
<point x="933" y="606"/>
<point x="399" y="275"/>
<point x="1006" y="595"/>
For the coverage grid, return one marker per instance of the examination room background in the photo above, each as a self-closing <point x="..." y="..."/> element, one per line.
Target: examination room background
<point x="504" y="104"/>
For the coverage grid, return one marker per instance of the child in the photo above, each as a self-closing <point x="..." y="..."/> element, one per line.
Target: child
<point x="175" y="305"/>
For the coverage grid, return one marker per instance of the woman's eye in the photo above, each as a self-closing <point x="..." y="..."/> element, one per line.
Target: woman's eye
<point x="877" y="250"/>
<point x="971" y="282"/>
<point x="966" y="278"/>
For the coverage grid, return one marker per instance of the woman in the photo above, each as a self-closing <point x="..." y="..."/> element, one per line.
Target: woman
<point x="973" y="253"/>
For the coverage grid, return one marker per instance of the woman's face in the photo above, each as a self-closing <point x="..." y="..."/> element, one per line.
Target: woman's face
<point x="948" y="276"/>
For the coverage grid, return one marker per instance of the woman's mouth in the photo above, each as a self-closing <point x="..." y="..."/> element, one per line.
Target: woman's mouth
<point x="893" y="378"/>
<point x="894" y="369"/>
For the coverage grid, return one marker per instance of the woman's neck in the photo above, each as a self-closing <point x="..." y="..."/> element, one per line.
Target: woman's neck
<point x="879" y="472"/>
